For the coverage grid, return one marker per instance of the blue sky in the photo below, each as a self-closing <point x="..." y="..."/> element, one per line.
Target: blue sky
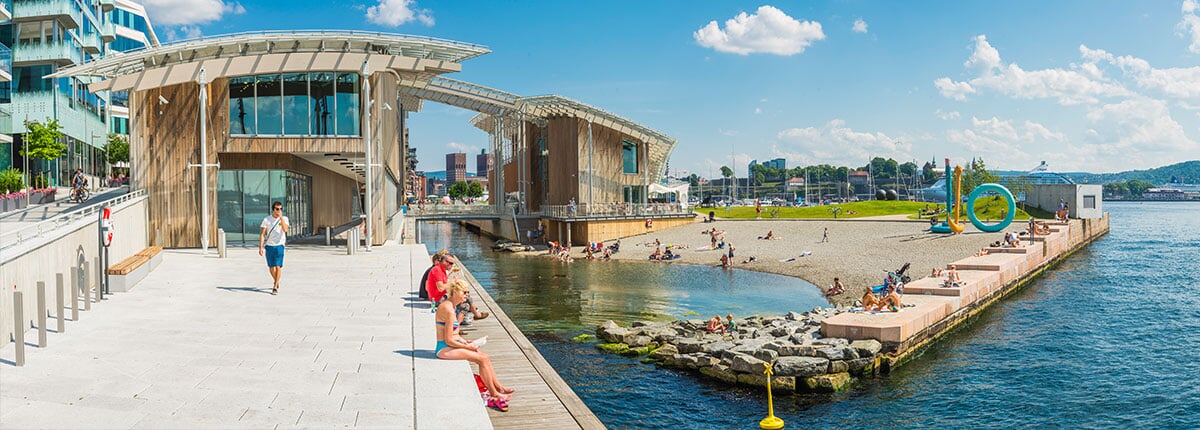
<point x="1085" y="85"/>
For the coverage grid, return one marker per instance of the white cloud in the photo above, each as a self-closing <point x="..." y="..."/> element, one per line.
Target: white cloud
<point x="946" y="115"/>
<point x="724" y="132"/>
<point x="757" y="111"/>
<point x="860" y="26"/>
<point x="1175" y="82"/>
<point x="834" y="143"/>
<point x="767" y="31"/>
<point x="461" y="147"/>
<point x="1190" y="24"/>
<point x="1133" y="134"/>
<point x="1012" y="144"/>
<point x="1068" y="87"/>
<point x="394" y="13"/>
<point x="189" y="12"/>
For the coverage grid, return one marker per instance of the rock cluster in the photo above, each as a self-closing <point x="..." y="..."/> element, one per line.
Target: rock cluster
<point x="803" y="360"/>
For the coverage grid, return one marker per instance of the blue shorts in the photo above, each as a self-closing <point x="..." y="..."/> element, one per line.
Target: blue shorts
<point x="274" y="255"/>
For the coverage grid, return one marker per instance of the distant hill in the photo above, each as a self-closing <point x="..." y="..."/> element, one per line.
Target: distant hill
<point x="1187" y="172"/>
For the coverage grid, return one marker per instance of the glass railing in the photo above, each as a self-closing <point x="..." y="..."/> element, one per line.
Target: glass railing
<point x="26" y="9"/>
<point x="616" y="210"/>
<point x="108" y="32"/>
<point x="91" y="42"/>
<point x="50" y="51"/>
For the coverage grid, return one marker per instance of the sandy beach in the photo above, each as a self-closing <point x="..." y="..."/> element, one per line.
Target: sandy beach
<point x="858" y="251"/>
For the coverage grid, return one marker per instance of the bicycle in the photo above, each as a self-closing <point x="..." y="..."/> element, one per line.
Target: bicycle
<point x="81" y="195"/>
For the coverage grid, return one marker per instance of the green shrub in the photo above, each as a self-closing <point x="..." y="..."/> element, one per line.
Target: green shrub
<point x="11" y="180"/>
<point x="40" y="181"/>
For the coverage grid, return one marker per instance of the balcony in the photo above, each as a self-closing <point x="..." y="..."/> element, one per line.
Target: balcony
<point x="61" y="52"/>
<point x="108" y="5"/>
<point x="91" y="43"/>
<point x="108" y="32"/>
<point x="36" y="10"/>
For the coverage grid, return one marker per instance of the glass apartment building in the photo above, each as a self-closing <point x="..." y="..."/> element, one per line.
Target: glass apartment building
<point x="39" y="37"/>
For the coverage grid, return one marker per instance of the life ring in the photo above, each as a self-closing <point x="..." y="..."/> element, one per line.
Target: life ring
<point x="649" y="223"/>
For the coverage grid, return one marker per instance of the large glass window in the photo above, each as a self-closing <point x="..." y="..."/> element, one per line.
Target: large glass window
<point x="347" y="104"/>
<point x="270" y="108"/>
<point x="241" y="105"/>
<point x="244" y="198"/>
<point x="321" y="90"/>
<point x="629" y="157"/>
<point x="295" y="103"/>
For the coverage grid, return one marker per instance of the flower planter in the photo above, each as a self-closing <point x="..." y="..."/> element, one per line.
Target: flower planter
<point x="38" y="198"/>
<point x="22" y="202"/>
<point x="6" y="205"/>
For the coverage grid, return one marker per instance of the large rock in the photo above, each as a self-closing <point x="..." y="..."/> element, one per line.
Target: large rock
<point x="862" y="366"/>
<point x="838" y="367"/>
<point x="637" y="324"/>
<point x="638" y="341"/>
<point x="613" y="348"/>
<point x="716" y="348"/>
<point x="665" y="352"/>
<point x="802" y="338"/>
<point x="832" y="341"/>
<point x="661" y="334"/>
<point x="833" y="353"/>
<point x="720" y="372"/>
<point x="866" y="348"/>
<point x="743" y="363"/>
<point x="798" y="350"/>
<point x="688" y="346"/>
<point x="706" y="361"/>
<point x="793" y="316"/>
<point x="800" y="366"/>
<point x="613" y="334"/>
<point x="765" y="355"/>
<point x="779" y="384"/>
<point x="827" y="383"/>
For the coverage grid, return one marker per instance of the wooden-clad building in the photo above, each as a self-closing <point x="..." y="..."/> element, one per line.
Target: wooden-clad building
<point x="286" y="117"/>
<point x="221" y="127"/>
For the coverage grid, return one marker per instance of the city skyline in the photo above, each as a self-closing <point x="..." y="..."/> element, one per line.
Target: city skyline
<point x="814" y="83"/>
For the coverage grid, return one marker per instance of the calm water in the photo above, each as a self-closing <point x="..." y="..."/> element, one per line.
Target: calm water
<point x="1107" y="339"/>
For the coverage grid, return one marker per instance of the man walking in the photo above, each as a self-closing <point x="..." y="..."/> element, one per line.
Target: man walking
<point x="271" y="241"/>
<point x="825" y="236"/>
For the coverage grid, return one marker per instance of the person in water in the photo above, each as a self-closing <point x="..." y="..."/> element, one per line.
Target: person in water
<point x="451" y="346"/>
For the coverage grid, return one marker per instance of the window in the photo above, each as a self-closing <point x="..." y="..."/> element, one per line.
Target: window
<point x="347" y="104"/>
<point x="320" y="88"/>
<point x="1089" y="202"/>
<point x="629" y="157"/>
<point x="270" y="109"/>
<point x="295" y="103"/>
<point x="241" y="105"/>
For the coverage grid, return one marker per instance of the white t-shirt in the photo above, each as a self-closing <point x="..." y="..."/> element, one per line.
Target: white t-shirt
<point x="275" y="235"/>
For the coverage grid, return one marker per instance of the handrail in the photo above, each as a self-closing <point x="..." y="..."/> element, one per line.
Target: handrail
<point x="13" y="238"/>
<point x="617" y="210"/>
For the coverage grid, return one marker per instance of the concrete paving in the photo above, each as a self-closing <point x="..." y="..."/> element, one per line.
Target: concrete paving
<point x="201" y="343"/>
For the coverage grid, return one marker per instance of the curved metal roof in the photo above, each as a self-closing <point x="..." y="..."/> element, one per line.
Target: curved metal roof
<point x="245" y="49"/>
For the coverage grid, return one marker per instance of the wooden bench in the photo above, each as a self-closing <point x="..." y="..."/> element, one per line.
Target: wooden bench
<point x="127" y="273"/>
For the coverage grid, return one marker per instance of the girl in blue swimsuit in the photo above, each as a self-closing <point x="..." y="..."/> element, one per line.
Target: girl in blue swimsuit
<point x="451" y="346"/>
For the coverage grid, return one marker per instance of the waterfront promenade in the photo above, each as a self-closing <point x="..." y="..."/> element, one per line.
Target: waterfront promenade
<point x="201" y="343"/>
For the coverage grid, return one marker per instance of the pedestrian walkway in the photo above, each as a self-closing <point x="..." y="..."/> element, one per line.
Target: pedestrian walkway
<point x="201" y="343"/>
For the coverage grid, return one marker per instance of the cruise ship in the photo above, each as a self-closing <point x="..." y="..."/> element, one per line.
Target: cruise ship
<point x="1040" y="175"/>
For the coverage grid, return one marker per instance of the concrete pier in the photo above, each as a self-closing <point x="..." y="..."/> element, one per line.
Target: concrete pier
<point x="987" y="279"/>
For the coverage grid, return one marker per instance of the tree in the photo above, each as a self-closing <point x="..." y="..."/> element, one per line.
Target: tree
<point x="475" y="190"/>
<point x="42" y="140"/>
<point x="693" y="180"/>
<point x="726" y="171"/>
<point x="117" y="149"/>
<point x="977" y="174"/>
<point x="1136" y="187"/>
<point x="458" y="190"/>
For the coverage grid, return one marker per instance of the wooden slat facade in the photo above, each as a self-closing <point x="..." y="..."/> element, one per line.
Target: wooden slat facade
<point x="165" y="139"/>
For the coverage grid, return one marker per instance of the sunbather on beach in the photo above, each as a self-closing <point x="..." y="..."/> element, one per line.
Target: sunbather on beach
<point x="952" y="279"/>
<point x="770" y="235"/>
<point x="891" y="302"/>
<point x="869" y="302"/>
<point x="836" y="288"/>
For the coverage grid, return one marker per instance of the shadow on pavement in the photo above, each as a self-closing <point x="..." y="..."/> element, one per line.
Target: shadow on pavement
<point x="424" y="353"/>
<point x="247" y="289"/>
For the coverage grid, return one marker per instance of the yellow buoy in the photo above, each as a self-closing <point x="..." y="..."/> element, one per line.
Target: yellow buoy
<point x="771" y="422"/>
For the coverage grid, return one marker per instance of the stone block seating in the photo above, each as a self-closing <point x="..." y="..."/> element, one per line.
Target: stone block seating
<point x="982" y="276"/>
<point x="124" y="275"/>
<point x="448" y="396"/>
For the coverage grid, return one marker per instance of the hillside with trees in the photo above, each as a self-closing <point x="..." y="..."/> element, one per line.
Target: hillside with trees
<point x="1186" y="172"/>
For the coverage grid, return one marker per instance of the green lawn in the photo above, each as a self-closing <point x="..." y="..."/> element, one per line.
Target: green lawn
<point x="848" y="210"/>
<point x="987" y="209"/>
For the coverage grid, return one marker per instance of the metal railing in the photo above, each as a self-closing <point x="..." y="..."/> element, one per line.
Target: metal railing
<point x="430" y="210"/>
<point x="615" y="210"/>
<point x="43" y="228"/>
